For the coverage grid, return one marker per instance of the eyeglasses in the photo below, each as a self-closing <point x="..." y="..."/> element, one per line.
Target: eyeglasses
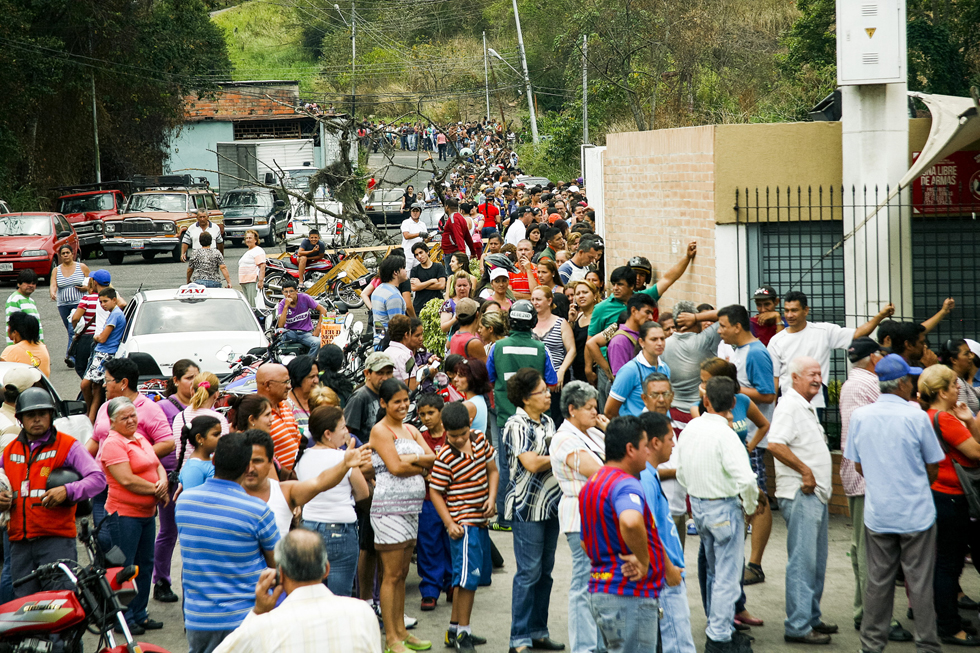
<point x="541" y="392"/>
<point x="660" y="395"/>
<point x="286" y="382"/>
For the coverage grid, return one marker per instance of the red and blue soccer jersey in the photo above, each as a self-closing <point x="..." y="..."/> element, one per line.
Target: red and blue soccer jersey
<point x="603" y="499"/>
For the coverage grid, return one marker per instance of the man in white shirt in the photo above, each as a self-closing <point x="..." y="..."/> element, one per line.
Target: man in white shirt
<point x="311" y="618"/>
<point x="714" y="467"/>
<point x="413" y="231"/>
<point x="803" y="486"/>
<point x="192" y="235"/>
<point x="518" y="228"/>
<point x="812" y="339"/>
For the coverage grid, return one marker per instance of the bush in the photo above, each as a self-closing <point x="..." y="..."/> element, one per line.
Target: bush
<point x="434" y="340"/>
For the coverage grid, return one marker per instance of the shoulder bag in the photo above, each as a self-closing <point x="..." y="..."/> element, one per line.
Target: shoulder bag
<point x="969" y="477"/>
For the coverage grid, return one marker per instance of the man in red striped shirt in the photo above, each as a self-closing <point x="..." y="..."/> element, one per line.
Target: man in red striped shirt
<point x="629" y="566"/>
<point x="272" y="382"/>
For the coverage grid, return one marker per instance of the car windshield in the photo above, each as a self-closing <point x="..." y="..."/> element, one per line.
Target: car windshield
<point x="176" y="316"/>
<point x="299" y="179"/>
<point x="25" y="225"/>
<point x="246" y="199"/>
<point x="167" y="203"/>
<point x="85" y="203"/>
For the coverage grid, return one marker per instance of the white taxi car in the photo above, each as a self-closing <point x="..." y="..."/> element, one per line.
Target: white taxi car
<point x="191" y="322"/>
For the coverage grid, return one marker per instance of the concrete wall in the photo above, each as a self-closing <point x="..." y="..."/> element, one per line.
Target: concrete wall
<point x="659" y="195"/>
<point x="189" y="149"/>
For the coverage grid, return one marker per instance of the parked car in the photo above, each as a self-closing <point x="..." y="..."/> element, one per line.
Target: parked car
<point x="87" y="211"/>
<point x="180" y="323"/>
<point x="155" y="219"/>
<point x="30" y="241"/>
<point x="255" y="208"/>
<point x="384" y="206"/>
<point x="529" y="181"/>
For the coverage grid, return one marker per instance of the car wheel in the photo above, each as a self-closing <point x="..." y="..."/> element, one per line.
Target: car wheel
<point x="115" y="258"/>
<point x="148" y="256"/>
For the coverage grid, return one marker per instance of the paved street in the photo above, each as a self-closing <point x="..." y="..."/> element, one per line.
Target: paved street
<point x="492" y="614"/>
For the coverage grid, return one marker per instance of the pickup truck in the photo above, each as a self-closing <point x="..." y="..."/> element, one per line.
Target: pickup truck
<point x="87" y="211"/>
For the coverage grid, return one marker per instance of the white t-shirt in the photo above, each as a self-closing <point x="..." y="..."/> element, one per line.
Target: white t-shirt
<point x="192" y="236"/>
<point x="795" y="425"/>
<point x="248" y="265"/>
<point x="816" y="340"/>
<point x="516" y="232"/>
<point x="412" y="227"/>
<point x="336" y="505"/>
<point x="101" y="315"/>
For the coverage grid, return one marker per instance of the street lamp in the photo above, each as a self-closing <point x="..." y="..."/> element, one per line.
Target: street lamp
<point x="353" y="52"/>
<point x="527" y="84"/>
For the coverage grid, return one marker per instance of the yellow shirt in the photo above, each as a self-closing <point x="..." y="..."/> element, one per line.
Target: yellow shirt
<point x="33" y="355"/>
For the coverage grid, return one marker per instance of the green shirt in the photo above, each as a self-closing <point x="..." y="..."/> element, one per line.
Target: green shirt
<point x="17" y="302"/>
<point x="607" y="311"/>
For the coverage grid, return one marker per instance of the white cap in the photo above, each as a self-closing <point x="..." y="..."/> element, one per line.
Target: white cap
<point x="498" y="273"/>
<point x="573" y="189"/>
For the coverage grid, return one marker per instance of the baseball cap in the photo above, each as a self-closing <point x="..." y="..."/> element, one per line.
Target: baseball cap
<point x="862" y="348"/>
<point x="765" y="292"/>
<point x="377" y="361"/>
<point x="974" y="346"/>
<point x="22" y="377"/>
<point x="554" y="217"/>
<point x="893" y="367"/>
<point x="101" y="277"/>
<point x="573" y="189"/>
<point x="526" y="209"/>
<point x="497" y="273"/>
<point x="466" y="307"/>
<point x="416" y="206"/>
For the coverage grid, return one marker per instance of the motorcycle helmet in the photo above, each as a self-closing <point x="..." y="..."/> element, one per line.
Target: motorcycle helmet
<point x="61" y="477"/>
<point x="641" y="264"/>
<point x="33" y="399"/>
<point x="522" y="315"/>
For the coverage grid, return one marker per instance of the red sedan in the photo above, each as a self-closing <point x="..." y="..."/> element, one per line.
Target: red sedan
<point x="30" y="241"/>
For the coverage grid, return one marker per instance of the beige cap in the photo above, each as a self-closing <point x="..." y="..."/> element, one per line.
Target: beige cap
<point x="22" y="377"/>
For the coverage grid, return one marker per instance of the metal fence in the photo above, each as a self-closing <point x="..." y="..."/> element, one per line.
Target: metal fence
<point x="853" y="251"/>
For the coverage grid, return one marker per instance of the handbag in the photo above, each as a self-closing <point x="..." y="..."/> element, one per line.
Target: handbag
<point x="969" y="477"/>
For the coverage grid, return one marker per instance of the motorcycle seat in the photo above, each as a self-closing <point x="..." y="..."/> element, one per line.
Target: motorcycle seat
<point x="289" y="264"/>
<point x="294" y="348"/>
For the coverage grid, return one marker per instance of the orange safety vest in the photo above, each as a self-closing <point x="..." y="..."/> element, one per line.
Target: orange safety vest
<point x="28" y="519"/>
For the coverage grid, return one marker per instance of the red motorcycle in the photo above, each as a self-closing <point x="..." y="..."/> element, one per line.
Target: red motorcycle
<point x="96" y="603"/>
<point x="278" y="270"/>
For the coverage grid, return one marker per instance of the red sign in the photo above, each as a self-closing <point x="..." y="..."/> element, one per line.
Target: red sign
<point x="952" y="183"/>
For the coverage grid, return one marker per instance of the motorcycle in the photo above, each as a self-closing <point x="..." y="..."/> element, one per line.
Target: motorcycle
<point x="96" y="604"/>
<point x="342" y="288"/>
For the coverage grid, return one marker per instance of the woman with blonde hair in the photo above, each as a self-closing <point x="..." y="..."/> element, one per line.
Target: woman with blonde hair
<point x="493" y="327"/>
<point x="321" y="395"/>
<point x="959" y="434"/>
<point x="205" y="389"/>
<point x="461" y="286"/>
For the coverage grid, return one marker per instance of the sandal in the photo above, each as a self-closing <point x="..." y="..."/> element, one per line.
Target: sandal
<point x="417" y="644"/>
<point x="753" y="574"/>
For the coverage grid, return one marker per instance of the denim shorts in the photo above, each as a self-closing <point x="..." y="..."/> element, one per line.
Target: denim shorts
<point x="757" y="457"/>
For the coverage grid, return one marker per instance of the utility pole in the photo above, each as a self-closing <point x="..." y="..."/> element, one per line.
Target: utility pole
<point x="486" y="75"/>
<point x="95" y="130"/>
<point x="585" y="89"/>
<point x="527" y="78"/>
<point x="353" y="58"/>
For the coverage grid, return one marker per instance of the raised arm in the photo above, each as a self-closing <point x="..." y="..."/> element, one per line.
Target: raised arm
<point x="948" y="305"/>
<point x="671" y="276"/>
<point x="872" y="324"/>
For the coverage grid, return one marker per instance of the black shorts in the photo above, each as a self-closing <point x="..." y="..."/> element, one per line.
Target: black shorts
<point x="365" y="533"/>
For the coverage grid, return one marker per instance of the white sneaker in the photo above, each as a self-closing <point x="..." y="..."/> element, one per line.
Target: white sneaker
<point x="411" y="622"/>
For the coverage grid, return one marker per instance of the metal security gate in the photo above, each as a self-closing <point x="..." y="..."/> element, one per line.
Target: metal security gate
<point x="945" y="264"/>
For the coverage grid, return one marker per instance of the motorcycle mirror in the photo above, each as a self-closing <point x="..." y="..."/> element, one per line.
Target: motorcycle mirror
<point x="268" y="322"/>
<point x="224" y="354"/>
<point x="115" y="557"/>
<point x="419" y="374"/>
<point x="358" y="328"/>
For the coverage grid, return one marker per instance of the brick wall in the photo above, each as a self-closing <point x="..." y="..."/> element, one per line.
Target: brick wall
<point x="659" y="195"/>
<point x="243" y="102"/>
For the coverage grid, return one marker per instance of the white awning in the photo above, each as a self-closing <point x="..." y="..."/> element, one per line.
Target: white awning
<point x="955" y="124"/>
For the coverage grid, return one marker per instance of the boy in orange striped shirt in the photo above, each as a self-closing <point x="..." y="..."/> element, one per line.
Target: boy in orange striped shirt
<point x="463" y="490"/>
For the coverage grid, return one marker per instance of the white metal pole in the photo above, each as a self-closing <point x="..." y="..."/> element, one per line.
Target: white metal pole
<point x="585" y="88"/>
<point x="527" y="78"/>
<point x="353" y="58"/>
<point x="486" y="73"/>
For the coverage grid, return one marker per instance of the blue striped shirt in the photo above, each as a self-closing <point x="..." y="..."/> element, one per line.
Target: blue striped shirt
<point x="223" y="532"/>
<point x="386" y="302"/>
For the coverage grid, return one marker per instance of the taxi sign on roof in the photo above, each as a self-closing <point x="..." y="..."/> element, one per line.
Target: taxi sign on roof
<point x="192" y="291"/>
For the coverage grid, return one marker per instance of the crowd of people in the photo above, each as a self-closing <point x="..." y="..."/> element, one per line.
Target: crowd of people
<point x="566" y="412"/>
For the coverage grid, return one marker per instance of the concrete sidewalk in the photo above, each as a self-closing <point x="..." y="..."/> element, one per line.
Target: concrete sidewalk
<point x="491" y="617"/>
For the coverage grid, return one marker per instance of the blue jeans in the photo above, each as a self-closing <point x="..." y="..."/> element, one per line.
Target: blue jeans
<point x="6" y="581"/>
<point x="721" y="526"/>
<point x="534" y="549"/>
<point x="341" y="542"/>
<point x="65" y="311"/>
<point x="583" y="634"/>
<point x="503" y="470"/>
<point x="136" y="536"/>
<point x="305" y="337"/>
<point x="434" y="559"/>
<point x="98" y="517"/>
<point x="675" y="627"/>
<point x="627" y="623"/>
<point x="207" y="283"/>
<point x="806" y="547"/>
<point x="205" y="641"/>
<point x="703" y="583"/>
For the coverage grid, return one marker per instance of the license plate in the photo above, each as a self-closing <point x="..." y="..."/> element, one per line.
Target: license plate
<point x="136" y="245"/>
<point x="6" y="267"/>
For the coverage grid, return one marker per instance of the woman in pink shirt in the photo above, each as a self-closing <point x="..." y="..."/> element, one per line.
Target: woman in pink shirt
<point x="137" y="482"/>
